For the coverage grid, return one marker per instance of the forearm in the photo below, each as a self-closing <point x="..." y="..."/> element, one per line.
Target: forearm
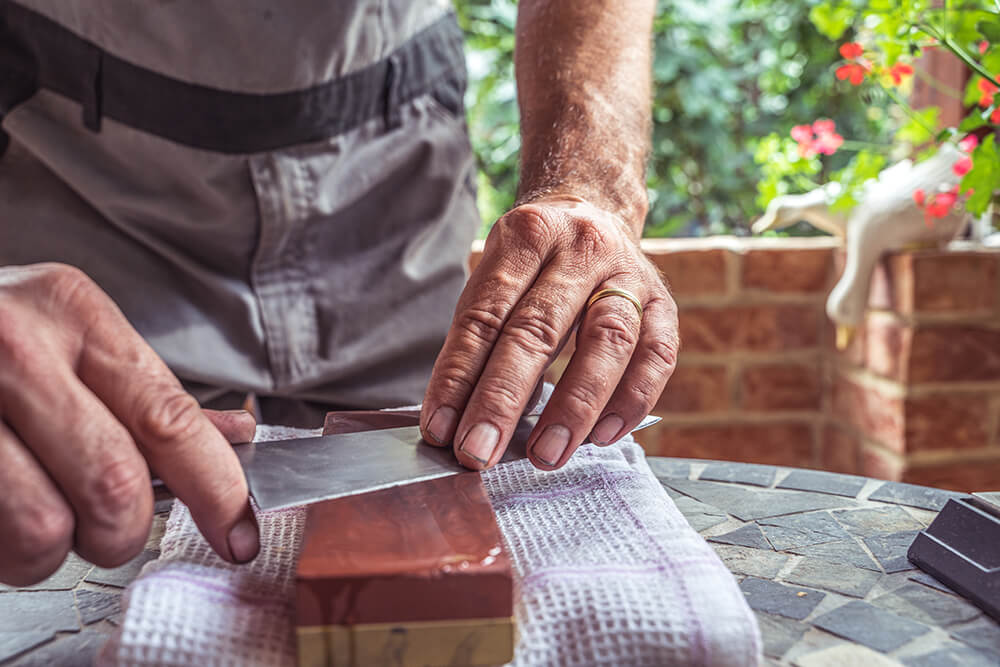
<point x="583" y="76"/>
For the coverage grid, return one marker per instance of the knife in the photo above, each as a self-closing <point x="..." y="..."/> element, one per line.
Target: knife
<point x="300" y="471"/>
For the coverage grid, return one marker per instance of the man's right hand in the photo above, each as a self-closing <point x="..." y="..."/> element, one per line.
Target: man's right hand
<point x="87" y="409"/>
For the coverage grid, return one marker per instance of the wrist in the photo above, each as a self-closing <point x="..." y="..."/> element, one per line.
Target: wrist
<point x="629" y="207"/>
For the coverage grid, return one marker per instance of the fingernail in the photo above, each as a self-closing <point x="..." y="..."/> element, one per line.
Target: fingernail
<point x="244" y="541"/>
<point x="441" y="427"/>
<point x="551" y="444"/>
<point x="480" y="442"/>
<point x="607" y="429"/>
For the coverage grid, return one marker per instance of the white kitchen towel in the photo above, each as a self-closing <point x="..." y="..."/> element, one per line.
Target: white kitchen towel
<point x="607" y="571"/>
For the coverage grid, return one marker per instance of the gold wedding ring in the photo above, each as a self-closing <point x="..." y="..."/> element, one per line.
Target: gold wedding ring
<point x="614" y="291"/>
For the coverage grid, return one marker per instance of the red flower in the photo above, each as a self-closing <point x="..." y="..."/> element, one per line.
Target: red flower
<point x="802" y="133"/>
<point x="853" y="71"/>
<point x="995" y="116"/>
<point x="825" y="141"/>
<point x="962" y="165"/>
<point x="984" y="46"/>
<point x="969" y="143"/>
<point x="898" y="71"/>
<point x="851" y="50"/>
<point x="823" y="126"/>
<point x="919" y="196"/>
<point x="988" y="90"/>
<point x="827" y="144"/>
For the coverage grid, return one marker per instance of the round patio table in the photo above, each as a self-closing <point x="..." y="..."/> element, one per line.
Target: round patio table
<point x="821" y="558"/>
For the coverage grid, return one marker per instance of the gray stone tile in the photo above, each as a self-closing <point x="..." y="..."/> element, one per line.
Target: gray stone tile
<point x="802" y="530"/>
<point x="927" y="605"/>
<point x="15" y="643"/>
<point x="69" y="574"/>
<point x="890" y="550"/>
<point x="699" y="515"/>
<point x="952" y="656"/>
<point x="748" y="504"/>
<point x="913" y="496"/>
<point x="740" y="473"/>
<point x="96" y="605"/>
<point x="121" y="576"/>
<point x="983" y="634"/>
<point x="79" y="650"/>
<point x="747" y="536"/>
<point x="837" y="577"/>
<point x="49" y="611"/>
<point x="773" y="598"/>
<point x="824" y="482"/>
<point x="877" y="521"/>
<point x="842" y="551"/>
<point x="779" y="633"/>
<point x="667" y="468"/>
<point x="928" y="580"/>
<point x="870" y="626"/>
<point x="751" y="562"/>
<point x="843" y="655"/>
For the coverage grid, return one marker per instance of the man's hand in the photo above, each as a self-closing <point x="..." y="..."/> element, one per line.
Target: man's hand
<point x="86" y="410"/>
<point x="541" y="263"/>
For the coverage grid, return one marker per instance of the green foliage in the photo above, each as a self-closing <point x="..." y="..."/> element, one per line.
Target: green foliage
<point x="985" y="178"/>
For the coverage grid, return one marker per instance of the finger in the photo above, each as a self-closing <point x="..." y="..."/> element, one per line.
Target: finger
<point x="180" y="443"/>
<point x="605" y="341"/>
<point x="531" y="336"/>
<point x="36" y="522"/>
<point x="648" y="372"/>
<point x="499" y="282"/>
<point x="236" y="426"/>
<point x="88" y="454"/>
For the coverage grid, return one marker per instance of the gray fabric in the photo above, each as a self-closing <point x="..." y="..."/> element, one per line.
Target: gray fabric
<point x="323" y="272"/>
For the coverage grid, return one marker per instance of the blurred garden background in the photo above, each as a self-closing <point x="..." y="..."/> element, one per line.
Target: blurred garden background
<point x="732" y="78"/>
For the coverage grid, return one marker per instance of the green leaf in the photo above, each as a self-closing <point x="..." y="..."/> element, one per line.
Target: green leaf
<point x="990" y="30"/>
<point x="920" y="127"/>
<point x="973" y="121"/>
<point x="831" y="21"/>
<point x="983" y="177"/>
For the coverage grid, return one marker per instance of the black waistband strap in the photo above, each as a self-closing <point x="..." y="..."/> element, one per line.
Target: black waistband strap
<point x="36" y="52"/>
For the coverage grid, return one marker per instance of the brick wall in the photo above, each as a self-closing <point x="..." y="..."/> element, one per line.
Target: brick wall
<point x="916" y="396"/>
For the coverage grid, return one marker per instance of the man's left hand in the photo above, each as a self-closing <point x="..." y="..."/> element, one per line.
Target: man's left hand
<point x="541" y="264"/>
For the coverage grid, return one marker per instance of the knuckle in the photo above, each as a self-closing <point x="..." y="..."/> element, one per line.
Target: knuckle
<point x="530" y="226"/>
<point x="613" y="331"/>
<point x="165" y="416"/>
<point x="452" y="381"/>
<point x="115" y="492"/>
<point x="531" y="330"/>
<point x="43" y="539"/>
<point x="481" y="323"/>
<point x="663" y="352"/>
<point x="589" y="239"/>
<point x="500" y="397"/>
<point x="64" y="285"/>
<point x="584" y="399"/>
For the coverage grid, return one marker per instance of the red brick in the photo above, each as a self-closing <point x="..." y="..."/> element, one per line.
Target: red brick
<point x="957" y="421"/>
<point x="839" y="451"/>
<point x="954" y="353"/>
<point x="884" y="290"/>
<point x="696" y="388"/>
<point x="781" y="387"/>
<point x="789" y="444"/>
<point x="959" y="476"/>
<point x="765" y="328"/>
<point x="879" y="463"/>
<point x="876" y="415"/>
<point x="691" y="272"/>
<point x="953" y="281"/>
<point x="787" y="270"/>
<point x="887" y="344"/>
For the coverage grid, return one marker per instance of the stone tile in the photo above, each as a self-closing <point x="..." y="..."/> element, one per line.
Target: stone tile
<point x="890" y="550"/>
<point x="49" y="611"/>
<point x="845" y="654"/>
<point x="870" y="626"/>
<point x="751" y="562"/>
<point x="699" y="515"/>
<point x="740" y="473"/>
<point x="69" y="574"/>
<point x="668" y="468"/>
<point x="779" y="633"/>
<point x="877" y="521"/>
<point x="748" y="504"/>
<point x="15" y="643"/>
<point x="78" y="650"/>
<point x="823" y="482"/>
<point x="952" y="656"/>
<point x="774" y="598"/>
<point x="837" y="577"/>
<point x="928" y="580"/>
<point x="747" y="536"/>
<point x="97" y="605"/>
<point x="983" y="634"/>
<point x="121" y="576"/>
<point x="843" y="551"/>
<point x="927" y="605"/>
<point x="801" y="530"/>
<point x="912" y="495"/>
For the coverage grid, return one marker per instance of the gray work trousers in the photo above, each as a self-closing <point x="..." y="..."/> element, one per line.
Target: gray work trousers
<point x="279" y="196"/>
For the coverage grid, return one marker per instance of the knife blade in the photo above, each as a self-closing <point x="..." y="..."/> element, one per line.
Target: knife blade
<point x="300" y="471"/>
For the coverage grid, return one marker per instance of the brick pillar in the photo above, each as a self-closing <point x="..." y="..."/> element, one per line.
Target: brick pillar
<point x="917" y="394"/>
